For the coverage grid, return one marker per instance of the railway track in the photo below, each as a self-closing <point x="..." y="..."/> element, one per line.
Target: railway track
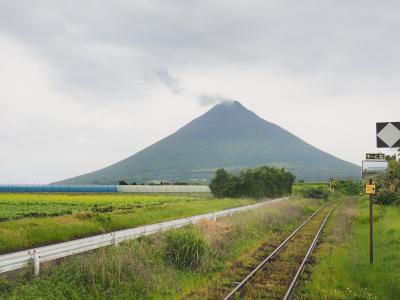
<point x="276" y="276"/>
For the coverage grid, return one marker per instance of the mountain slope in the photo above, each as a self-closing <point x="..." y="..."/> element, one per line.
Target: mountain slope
<point x="229" y="136"/>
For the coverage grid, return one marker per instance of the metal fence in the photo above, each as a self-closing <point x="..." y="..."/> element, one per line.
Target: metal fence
<point x="164" y="189"/>
<point x="20" y="259"/>
<point x="94" y="188"/>
<point x="58" y="188"/>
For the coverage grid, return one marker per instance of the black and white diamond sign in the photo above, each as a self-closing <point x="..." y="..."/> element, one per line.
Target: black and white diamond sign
<point x="388" y="135"/>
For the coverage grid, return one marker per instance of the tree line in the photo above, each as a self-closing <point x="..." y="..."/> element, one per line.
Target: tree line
<point x="255" y="183"/>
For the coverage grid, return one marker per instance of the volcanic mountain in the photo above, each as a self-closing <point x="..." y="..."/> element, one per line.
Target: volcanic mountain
<point x="228" y="136"/>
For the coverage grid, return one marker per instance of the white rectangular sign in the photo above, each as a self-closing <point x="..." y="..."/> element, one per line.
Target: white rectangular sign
<point x="374" y="168"/>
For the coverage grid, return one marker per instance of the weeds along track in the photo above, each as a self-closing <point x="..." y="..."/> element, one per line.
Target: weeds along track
<point x="276" y="276"/>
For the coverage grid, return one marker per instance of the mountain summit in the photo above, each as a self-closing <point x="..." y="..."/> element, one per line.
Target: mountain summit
<point x="229" y="136"/>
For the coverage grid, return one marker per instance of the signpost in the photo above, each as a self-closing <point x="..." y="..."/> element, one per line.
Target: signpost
<point x="374" y="167"/>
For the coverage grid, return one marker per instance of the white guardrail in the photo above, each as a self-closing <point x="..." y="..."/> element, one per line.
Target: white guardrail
<point x="21" y="259"/>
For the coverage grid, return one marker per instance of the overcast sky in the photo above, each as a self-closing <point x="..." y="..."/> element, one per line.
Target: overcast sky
<point x="85" y="84"/>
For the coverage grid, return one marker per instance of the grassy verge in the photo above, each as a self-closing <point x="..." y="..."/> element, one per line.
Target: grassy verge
<point x="34" y="231"/>
<point x="342" y="269"/>
<point x="157" y="267"/>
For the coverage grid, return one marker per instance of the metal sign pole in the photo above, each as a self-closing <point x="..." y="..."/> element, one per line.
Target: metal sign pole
<point x="371" y="229"/>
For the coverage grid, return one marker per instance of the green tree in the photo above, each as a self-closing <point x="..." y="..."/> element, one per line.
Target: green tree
<point x="224" y="184"/>
<point x="393" y="182"/>
<point x="256" y="183"/>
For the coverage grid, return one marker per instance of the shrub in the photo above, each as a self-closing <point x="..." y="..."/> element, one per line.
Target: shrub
<point x="186" y="249"/>
<point x="393" y="182"/>
<point x="97" y="208"/>
<point x="388" y="198"/>
<point x="349" y="187"/>
<point x="83" y="215"/>
<point x="315" y="193"/>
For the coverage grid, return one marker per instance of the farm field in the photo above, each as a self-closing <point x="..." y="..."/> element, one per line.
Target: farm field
<point x="30" y="220"/>
<point x="17" y="206"/>
<point x="146" y="268"/>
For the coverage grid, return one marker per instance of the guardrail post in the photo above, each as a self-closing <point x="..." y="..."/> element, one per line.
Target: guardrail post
<point x="214" y="217"/>
<point x="36" y="263"/>
<point x="116" y="241"/>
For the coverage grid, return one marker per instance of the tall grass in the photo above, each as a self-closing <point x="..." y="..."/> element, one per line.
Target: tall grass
<point x="187" y="249"/>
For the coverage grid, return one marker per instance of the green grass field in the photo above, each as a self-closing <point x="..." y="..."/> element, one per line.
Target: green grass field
<point x="342" y="269"/>
<point x="37" y="219"/>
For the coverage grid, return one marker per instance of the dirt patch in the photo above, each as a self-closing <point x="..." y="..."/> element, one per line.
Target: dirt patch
<point x="214" y="230"/>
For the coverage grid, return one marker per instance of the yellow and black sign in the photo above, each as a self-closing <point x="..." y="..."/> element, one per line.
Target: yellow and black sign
<point x="370" y="189"/>
<point x="332" y="185"/>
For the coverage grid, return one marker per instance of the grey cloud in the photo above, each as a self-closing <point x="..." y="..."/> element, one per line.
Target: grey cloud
<point x="107" y="47"/>
<point x="207" y="99"/>
<point x="168" y="81"/>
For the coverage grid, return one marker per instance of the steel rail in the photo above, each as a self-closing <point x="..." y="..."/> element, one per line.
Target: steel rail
<point x="273" y="253"/>
<point x="310" y="250"/>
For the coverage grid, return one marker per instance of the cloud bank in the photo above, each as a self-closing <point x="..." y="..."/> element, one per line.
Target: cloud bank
<point x="83" y="86"/>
